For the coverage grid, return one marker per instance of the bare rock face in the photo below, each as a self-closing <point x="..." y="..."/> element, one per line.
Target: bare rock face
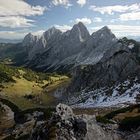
<point x="96" y="45"/>
<point x="116" y="65"/>
<point x="96" y="132"/>
<point x="64" y="125"/>
<point x="29" y="41"/>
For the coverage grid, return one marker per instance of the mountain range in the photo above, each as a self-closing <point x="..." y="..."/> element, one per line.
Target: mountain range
<point x="55" y="50"/>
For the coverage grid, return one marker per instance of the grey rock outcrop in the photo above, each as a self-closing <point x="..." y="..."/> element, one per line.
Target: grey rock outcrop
<point x="64" y="125"/>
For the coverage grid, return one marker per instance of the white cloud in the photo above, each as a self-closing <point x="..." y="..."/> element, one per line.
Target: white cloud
<point x="19" y="8"/>
<point x="14" y="13"/>
<point x="84" y="20"/>
<point x="116" y="8"/>
<point x="63" y="28"/>
<point x="130" y="16"/>
<point x="81" y="2"/>
<point x="121" y="30"/>
<point x="97" y="19"/>
<point x="64" y="3"/>
<point x="14" y="22"/>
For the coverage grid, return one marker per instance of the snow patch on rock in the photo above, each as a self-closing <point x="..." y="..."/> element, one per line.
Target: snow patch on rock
<point x="122" y="94"/>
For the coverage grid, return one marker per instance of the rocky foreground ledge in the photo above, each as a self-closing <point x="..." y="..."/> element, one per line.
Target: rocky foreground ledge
<point x="63" y="124"/>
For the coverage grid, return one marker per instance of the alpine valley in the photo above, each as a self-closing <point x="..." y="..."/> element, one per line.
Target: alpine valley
<point x="95" y="74"/>
<point x="104" y="69"/>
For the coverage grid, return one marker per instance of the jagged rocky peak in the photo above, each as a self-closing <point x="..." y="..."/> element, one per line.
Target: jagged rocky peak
<point x="29" y="35"/>
<point x="104" y="32"/>
<point x="105" y="28"/>
<point x="102" y="39"/>
<point x="98" y="43"/>
<point x="79" y="25"/>
<point x="51" y="32"/>
<point x="30" y="40"/>
<point x="79" y="30"/>
<point x="27" y="39"/>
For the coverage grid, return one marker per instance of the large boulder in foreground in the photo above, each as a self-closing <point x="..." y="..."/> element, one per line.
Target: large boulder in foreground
<point x="64" y="125"/>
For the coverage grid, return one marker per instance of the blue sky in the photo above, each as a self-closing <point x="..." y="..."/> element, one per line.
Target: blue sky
<point x="18" y="17"/>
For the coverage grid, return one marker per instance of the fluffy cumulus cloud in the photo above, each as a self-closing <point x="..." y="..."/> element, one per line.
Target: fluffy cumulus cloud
<point x="84" y="20"/>
<point x="13" y="13"/>
<point x="63" y="28"/>
<point x="116" y="8"/>
<point x="121" y="30"/>
<point x="19" y="8"/>
<point x="81" y="2"/>
<point x="64" y="3"/>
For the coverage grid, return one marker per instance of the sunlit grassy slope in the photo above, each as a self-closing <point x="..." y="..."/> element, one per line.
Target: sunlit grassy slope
<point x="29" y="89"/>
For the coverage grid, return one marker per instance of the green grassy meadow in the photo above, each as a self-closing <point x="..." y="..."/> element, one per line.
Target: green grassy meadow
<point x="29" y="89"/>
